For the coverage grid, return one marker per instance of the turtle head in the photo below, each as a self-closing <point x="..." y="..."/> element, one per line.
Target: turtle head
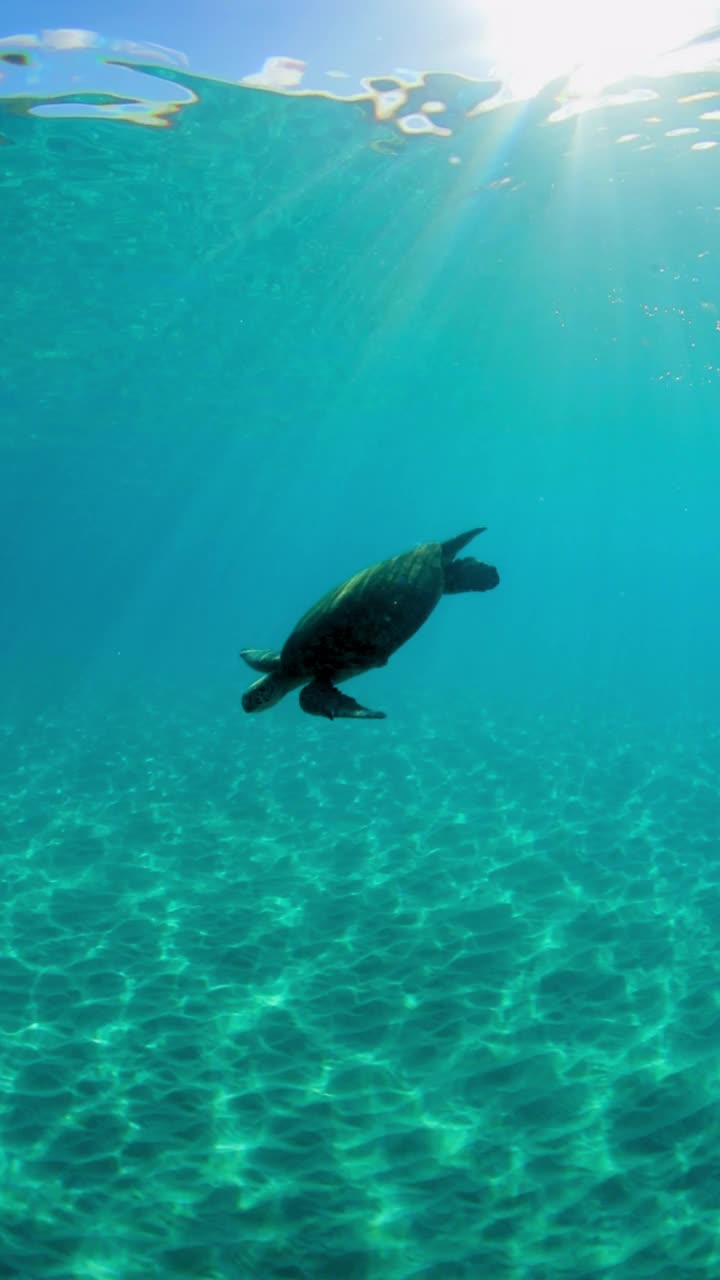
<point x="265" y="692"/>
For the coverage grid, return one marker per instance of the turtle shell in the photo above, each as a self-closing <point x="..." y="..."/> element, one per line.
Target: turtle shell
<point x="359" y="624"/>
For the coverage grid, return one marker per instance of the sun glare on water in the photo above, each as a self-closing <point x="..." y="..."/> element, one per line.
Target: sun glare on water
<point x="596" y="42"/>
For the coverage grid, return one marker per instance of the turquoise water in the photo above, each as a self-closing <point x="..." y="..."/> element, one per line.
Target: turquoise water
<point x="417" y="999"/>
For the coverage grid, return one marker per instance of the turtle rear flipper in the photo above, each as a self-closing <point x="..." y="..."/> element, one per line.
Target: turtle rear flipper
<point x="265" y="660"/>
<point x="469" y="575"/>
<point x="321" y="698"/>
<point x="451" y="547"/>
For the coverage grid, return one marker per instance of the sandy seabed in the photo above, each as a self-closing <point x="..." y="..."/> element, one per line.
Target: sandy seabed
<point x="429" y="999"/>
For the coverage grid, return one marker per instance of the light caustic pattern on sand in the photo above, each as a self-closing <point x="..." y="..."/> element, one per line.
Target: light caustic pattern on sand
<point x="307" y="1003"/>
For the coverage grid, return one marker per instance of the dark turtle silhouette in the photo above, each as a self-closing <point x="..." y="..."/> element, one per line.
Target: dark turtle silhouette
<point x="359" y="624"/>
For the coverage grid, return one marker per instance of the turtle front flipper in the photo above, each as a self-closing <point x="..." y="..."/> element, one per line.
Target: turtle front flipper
<point x="321" y="698"/>
<point x="261" y="659"/>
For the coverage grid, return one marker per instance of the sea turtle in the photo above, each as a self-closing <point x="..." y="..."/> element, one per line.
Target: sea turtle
<point x="359" y="624"/>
